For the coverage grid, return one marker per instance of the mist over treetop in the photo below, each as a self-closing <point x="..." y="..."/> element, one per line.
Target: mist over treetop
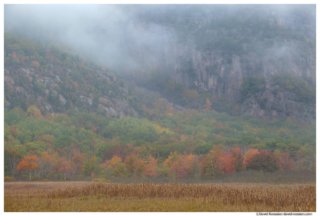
<point x="106" y="33"/>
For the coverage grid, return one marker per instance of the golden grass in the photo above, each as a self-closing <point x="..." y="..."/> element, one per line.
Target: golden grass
<point x="229" y="197"/>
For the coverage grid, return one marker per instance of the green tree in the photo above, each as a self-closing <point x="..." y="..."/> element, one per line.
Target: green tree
<point x="265" y="161"/>
<point x="65" y="141"/>
<point x="251" y="84"/>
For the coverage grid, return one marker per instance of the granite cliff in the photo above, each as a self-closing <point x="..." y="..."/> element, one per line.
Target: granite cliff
<point x="216" y="53"/>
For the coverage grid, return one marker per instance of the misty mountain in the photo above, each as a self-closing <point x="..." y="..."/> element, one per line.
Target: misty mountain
<point x="220" y="51"/>
<point x="56" y="81"/>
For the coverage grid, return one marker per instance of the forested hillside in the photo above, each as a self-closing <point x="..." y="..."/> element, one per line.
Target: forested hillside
<point x="78" y="145"/>
<point x="163" y="92"/>
<point x="68" y="118"/>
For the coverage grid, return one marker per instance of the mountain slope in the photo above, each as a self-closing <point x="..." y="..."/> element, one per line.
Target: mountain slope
<point x="55" y="81"/>
<point x="63" y="111"/>
<point x="215" y="49"/>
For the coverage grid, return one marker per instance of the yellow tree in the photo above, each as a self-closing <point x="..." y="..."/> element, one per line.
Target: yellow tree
<point x="33" y="111"/>
<point x="207" y="104"/>
<point x="117" y="167"/>
<point x="170" y="110"/>
<point x="183" y="137"/>
<point x="160" y="106"/>
<point x="249" y="154"/>
<point x="172" y="158"/>
<point x="212" y="163"/>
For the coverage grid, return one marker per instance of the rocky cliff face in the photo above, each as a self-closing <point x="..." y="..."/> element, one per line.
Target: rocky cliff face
<point x="221" y="72"/>
<point x="223" y="77"/>
<point x="20" y="83"/>
<point x="277" y="103"/>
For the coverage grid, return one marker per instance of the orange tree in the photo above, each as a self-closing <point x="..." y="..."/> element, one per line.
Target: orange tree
<point x="134" y="165"/>
<point x="28" y="164"/>
<point x="249" y="154"/>
<point x="151" y="167"/>
<point x="207" y="104"/>
<point x="47" y="164"/>
<point x="63" y="167"/>
<point x="286" y="162"/>
<point x="77" y="162"/>
<point x="176" y="163"/>
<point x="232" y="161"/>
<point x="179" y="167"/>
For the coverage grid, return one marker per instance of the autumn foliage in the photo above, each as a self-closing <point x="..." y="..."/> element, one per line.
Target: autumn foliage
<point x="237" y="159"/>
<point x="34" y="112"/>
<point x="207" y="104"/>
<point x="177" y="164"/>
<point x="63" y="167"/>
<point x="116" y="166"/>
<point x="151" y="167"/>
<point x="77" y="161"/>
<point x="77" y="139"/>
<point x="249" y="154"/>
<point x="212" y="163"/>
<point x="265" y="161"/>
<point x="134" y="165"/>
<point x="286" y="163"/>
<point x="28" y="164"/>
<point x="35" y="63"/>
<point x="14" y="55"/>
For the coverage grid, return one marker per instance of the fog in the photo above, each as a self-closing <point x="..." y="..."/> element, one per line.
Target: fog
<point x="100" y="32"/>
<point x="107" y="34"/>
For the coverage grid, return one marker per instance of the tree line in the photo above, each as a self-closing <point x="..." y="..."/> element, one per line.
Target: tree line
<point x="178" y="145"/>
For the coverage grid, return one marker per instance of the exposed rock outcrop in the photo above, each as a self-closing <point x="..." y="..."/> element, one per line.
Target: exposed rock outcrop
<point x="276" y="103"/>
<point x="51" y="85"/>
<point x="222" y="72"/>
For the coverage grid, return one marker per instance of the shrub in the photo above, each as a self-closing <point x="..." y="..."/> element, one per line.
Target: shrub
<point x="25" y="177"/>
<point x="9" y="179"/>
<point x="45" y="180"/>
<point x="100" y="180"/>
<point x="79" y="177"/>
<point x="265" y="161"/>
<point x="305" y="92"/>
<point x="251" y="84"/>
<point x="35" y="178"/>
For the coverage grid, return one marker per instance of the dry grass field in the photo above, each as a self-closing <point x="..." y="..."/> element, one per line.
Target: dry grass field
<point x="113" y="197"/>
